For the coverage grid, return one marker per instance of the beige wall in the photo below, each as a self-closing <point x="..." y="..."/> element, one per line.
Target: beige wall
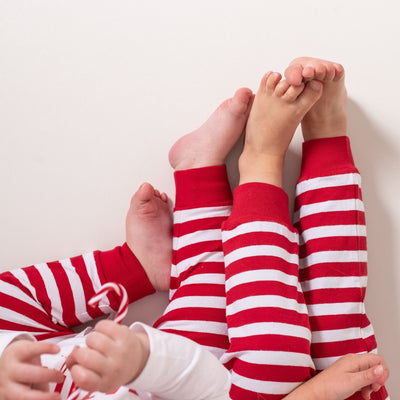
<point x="93" y="94"/>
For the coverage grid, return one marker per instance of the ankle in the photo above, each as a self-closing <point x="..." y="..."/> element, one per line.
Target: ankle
<point x="331" y="125"/>
<point x="256" y="167"/>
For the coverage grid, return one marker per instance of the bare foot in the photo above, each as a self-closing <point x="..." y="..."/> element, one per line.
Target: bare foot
<point x="149" y="234"/>
<point x="277" y="110"/>
<point x="210" y="144"/>
<point x="327" y="118"/>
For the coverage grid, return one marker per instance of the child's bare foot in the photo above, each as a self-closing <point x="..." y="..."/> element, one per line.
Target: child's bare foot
<point x="327" y="118"/>
<point x="210" y="144"/>
<point x="277" y="110"/>
<point x="149" y="234"/>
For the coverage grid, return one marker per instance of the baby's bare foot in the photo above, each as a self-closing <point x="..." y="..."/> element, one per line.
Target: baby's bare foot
<point x="210" y="144"/>
<point x="149" y="234"/>
<point x="327" y="118"/>
<point x="277" y="110"/>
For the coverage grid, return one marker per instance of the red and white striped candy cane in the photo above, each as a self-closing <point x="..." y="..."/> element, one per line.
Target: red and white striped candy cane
<point x="121" y="313"/>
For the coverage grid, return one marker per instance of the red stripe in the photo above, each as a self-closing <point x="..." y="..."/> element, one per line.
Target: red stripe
<point x="66" y="294"/>
<point x="261" y="288"/>
<point x="270" y="343"/>
<point x="273" y="373"/>
<point x="268" y="314"/>
<point x="328" y="193"/>
<point x="350" y="217"/>
<point x="260" y="238"/>
<point x="196" y="225"/>
<point x="333" y="269"/>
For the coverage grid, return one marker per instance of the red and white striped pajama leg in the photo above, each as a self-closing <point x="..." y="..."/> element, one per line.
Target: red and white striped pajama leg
<point x="330" y="218"/>
<point x="197" y="298"/>
<point x="269" y="353"/>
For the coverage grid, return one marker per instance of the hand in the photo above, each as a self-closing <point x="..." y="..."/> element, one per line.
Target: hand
<point x="114" y="357"/>
<point x="22" y="374"/>
<point x="352" y="373"/>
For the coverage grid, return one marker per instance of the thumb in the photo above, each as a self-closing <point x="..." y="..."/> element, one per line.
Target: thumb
<point x="367" y="377"/>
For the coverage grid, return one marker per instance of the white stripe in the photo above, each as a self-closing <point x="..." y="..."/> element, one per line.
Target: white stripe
<point x="267" y="387"/>
<point x="269" y="328"/>
<point x="218" y="328"/>
<point x="333" y="231"/>
<point x="328" y="181"/>
<point x="315" y="310"/>
<point x="261" y="226"/>
<point x="15" y="292"/>
<point x="272" y="358"/>
<point x="340" y="256"/>
<point x="265" y="275"/>
<point x="324" y="362"/>
<point x="215" y="256"/>
<point x="91" y="268"/>
<point x="196" y="302"/>
<point x="328" y="206"/>
<point x="201" y="213"/>
<point x="77" y="290"/>
<point x="336" y="335"/>
<point x="334" y="282"/>
<point x="264" y="301"/>
<point x="53" y="293"/>
<point x="216" y="279"/>
<point x="367" y="331"/>
<point x="260" y="250"/>
<point x="196" y="237"/>
<point x="22" y="319"/>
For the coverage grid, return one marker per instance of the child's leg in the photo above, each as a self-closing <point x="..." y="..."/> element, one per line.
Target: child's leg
<point x="203" y="202"/>
<point x="330" y="219"/>
<point x="269" y="353"/>
<point x="48" y="299"/>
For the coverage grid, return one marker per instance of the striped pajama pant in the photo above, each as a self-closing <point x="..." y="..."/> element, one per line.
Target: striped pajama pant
<point x="276" y="302"/>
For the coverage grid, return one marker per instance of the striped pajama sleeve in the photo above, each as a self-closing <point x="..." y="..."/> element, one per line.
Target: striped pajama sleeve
<point x="268" y="326"/>
<point x="197" y="298"/>
<point x="49" y="299"/>
<point x="329" y="215"/>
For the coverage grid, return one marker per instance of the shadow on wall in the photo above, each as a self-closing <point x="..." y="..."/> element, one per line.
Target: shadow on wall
<point x="372" y="153"/>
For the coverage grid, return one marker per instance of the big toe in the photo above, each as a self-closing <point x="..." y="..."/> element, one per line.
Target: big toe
<point x="239" y="104"/>
<point x="294" y="74"/>
<point x="143" y="194"/>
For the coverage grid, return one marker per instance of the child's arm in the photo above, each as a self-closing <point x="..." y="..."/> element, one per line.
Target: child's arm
<point x="148" y="360"/>
<point x="351" y="373"/>
<point x="22" y="375"/>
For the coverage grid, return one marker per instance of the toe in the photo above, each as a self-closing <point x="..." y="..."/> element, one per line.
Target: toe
<point x="339" y="71"/>
<point x="294" y="74"/>
<point x="239" y="104"/>
<point x="311" y="93"/>
<point x="281" y="88"/>
<point x="293" y="92"/>
<point x="143" y="194"/>
<point x="272" y="81"/>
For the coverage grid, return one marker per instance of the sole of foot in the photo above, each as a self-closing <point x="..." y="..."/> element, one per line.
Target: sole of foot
<point x="210" y="144"/>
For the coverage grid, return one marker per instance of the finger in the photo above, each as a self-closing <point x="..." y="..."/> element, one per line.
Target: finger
<point x="20" y="391"/>
<point x="111" y="329"/>
<point x="29" y="374"/>
<point x="87" y="358"/>
<point x="86" y="379"/>
<point x="25" y="349"/>
<point x="368" y="377"/>
<point x="99" y="342"/>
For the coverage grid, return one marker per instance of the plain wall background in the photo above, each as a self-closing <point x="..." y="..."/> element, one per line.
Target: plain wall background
<point x="94" y="93"/>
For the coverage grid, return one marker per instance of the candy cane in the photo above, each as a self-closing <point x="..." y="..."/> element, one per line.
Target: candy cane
<point x="121" y="313"/>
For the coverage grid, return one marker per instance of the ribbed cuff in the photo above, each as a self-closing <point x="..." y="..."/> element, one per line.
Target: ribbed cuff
<point x="259" y="201"/>
<point x="201" y="187"/>
<point x="326" y="156"/>
<point x="120" y="265"/>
